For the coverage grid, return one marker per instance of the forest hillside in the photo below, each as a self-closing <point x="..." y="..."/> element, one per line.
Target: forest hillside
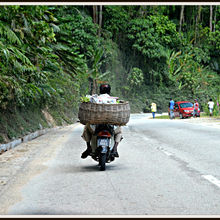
<point x="50" y="56"/>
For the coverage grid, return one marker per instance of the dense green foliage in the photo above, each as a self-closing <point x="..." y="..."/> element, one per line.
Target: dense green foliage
<point x="50" y="56"/>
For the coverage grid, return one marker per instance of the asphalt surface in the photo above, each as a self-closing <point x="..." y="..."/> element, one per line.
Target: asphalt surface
<point x="166" y="167"/>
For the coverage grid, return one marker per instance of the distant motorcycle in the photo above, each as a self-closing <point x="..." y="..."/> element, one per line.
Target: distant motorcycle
<point x="103" y="144"/>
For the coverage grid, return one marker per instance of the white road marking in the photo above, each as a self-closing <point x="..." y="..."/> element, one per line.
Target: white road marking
<point x="161" y="149"/>
<point x="166" y="152"/>
<point x="146" y="139"/>
<point x="212" y="179"/>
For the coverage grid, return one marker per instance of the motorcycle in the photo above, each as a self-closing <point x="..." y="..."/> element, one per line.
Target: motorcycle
<point x="103" y="143"/>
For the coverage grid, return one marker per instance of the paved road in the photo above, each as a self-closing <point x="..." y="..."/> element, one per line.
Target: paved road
<point x="166" y="167"/>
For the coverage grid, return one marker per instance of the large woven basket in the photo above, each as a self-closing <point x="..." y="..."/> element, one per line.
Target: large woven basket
<point x="93" y="113"/>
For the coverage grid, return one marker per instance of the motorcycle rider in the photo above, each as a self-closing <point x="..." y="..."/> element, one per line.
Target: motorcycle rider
<point x="88" y="132"/>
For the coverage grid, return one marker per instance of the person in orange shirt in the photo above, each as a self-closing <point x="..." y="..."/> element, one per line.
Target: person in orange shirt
<point x="196" y="107"/>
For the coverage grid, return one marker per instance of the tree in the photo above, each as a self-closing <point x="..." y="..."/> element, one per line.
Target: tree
<point x="24" y="61"/>
<point x="100" y="21"/>
<point x="94" y="72"/>
<point x="135" y="80"/>
<point x="181" y="18"/>
<point x="210" y="19"/>
<point x="198" y="17"/>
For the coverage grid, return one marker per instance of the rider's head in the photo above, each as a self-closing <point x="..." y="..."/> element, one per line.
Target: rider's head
<point x="105" y="88"/>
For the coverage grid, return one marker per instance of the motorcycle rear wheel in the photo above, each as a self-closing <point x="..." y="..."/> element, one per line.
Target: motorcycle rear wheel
<point x="102" y="161"/>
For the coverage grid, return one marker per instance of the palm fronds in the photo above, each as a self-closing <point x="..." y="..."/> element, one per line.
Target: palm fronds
<point x="8" y="34"/>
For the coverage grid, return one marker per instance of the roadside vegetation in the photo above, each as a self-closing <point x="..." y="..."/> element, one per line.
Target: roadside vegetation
<point x="50" y="56"/>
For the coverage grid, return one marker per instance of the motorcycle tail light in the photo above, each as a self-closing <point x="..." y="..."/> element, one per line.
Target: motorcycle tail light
<point x="104" y="134"/>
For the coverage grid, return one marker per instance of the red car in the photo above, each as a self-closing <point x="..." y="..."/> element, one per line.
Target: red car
<point x="184" y="109"/>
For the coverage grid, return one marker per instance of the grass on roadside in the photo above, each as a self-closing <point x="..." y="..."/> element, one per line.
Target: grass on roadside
<point x="202" y="115"/>
<point x="162" y="117"/>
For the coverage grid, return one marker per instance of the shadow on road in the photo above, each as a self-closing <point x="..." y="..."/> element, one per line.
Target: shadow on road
<point x="96" y="168"/>
<point x="71" y="169"/>
<point x="48" y="212"/>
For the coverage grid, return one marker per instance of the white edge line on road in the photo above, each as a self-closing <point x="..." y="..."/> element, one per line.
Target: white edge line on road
<point x="212" y="179"/>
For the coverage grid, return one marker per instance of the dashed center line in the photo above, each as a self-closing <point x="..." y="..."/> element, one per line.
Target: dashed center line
<point x="212" y="179"/>
<point x="165" y="152"/>
<point x="146" y="139"/>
